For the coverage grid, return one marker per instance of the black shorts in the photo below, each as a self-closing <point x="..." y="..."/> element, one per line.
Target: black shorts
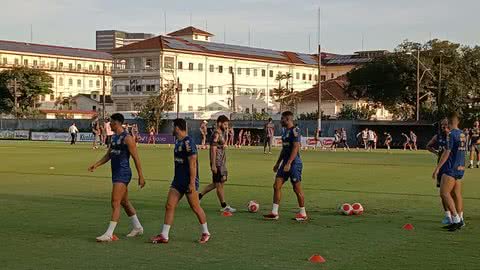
<point x="371" y="143"/>
<point x="221" y="175"/>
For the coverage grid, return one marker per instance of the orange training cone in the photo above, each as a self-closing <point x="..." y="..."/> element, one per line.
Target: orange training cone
<point x="316" y="259"/>
<point x="408" y="227"/>
<point x="227" y="214"/>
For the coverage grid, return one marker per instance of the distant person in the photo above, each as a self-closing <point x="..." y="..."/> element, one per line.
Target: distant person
<point x="406" y="142"/>
<point x="108" y="132"/>
<point x="336" y="141"/>
<point x="269" y="129"/>
<point x="73" y="130"/>
<point x="318" y="138"/>
<point x="452" y="169"/>
<point x="103" y="132"/>
<point x="388" y="140"/>
<point x="95" y="132"/>
<point x="123" y="146"/>
<point x="203" y="131"/>
<point x="343" y="139"/>
<point x="231" y="136"/>
<point x="413" y="140"/>
<point x="135" y="133"/>
<point x="370" y="139"/>
<point x="151" y="135"/>
<point x="240" y="138"/>
<point x="474" y="145"/>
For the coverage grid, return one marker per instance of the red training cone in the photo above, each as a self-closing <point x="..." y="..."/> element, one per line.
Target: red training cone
<point x="316" y="259"/>
<point x="227" y="214"/>
<point x="408" y="227"/>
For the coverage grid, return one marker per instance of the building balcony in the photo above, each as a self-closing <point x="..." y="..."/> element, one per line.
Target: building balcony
<point x="120" y="93"/>
<point x="142" y="71"/>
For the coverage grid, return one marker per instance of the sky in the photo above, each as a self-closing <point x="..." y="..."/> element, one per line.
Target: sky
<point x="346" y="25"/>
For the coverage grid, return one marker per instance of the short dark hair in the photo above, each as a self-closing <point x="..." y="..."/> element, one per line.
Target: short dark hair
<point x="180" y="123"/>
<point x="452" y="115"/>
<point x="270" y="119"/>
<point x="287" y="114"/>
<point x="118" y="117"/>
<point x="222" y="119"/>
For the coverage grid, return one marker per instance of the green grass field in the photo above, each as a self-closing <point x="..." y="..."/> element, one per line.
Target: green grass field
<point x="49" y="218"/>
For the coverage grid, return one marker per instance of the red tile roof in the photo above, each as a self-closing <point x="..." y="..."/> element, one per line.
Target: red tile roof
<point x="188" y="31"/>
<point x="332" y="90"/>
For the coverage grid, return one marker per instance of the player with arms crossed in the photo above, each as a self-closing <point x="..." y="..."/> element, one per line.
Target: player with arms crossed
<point x="121" y="148"/>
<point x="289" y="166"/>
<point x="185" y="182"/>
<point x="269" y="133"/>
<point x="452" y="168"/>
<point x="437" y="145"/>
<point x="474" y="144"/>
<point x="218" y="163"/>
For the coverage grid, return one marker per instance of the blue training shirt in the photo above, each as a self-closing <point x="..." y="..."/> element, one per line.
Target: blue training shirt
<point x="120" y="158"/>
<point x="289" y="137"/>
<point x="457" y="144"/>
<point x="183" y="150"/>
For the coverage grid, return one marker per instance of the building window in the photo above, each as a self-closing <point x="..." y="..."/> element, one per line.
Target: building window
<point x="70" y="66"/>
<point x="97" y="68"/>
<point x="316" y="77"/>
<point x="210" y="89"/>
<point x="168" y="62"/>
<point x="70" y="82"/>
<point x="79" y="67"/>
<point x="255" y="73"/>
<point x="199" y="108"/>
<point x="239" y="71"/>
<point x="297" y="76"/>
<point x="264" y="73"/>
<point x="190" y="88"/>
<point x="196" y="36"/>
<point x="52" y="97"/>
<point x="230" y="70"/>
<point x="220" y="69"/>
<point x="148" y="63"/>
<point x="42" y="98"/>
<point x="4" y="60"/>
<point x="35" y="63"/>
<point x="79" y="83"/>
<point x="150" y="87"/>
<point x="247" y="71"/>
<point x="190" y="108"/>
<point x="271" y="74"/>
<point x="332" y="76"/>
<point x="180" y="65"/>
<point x="206" y="38"/>
<point x="60" y="81"/>
<point x="90" y="83"/>
<point x="90" y="67"/>
<point x="304" y="76"/>
<point x="323" y="78"/>
<point x="94" y="108"/>
<point x="98" y="83"/>
<point x="25" y="62"/>
<point x="309" y="77"/>
<point x="16" y="62"/>
<point x="190" y="66"/>
<point x="211" y="68"/>
<point x="200" y="67"/>
<point x="220" y="90"/>
<point x="200" y="88"/>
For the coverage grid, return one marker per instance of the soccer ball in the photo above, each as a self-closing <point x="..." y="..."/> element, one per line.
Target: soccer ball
<point x="346" y="209"/>
<point x="357" y="209"/>
<point x="253" y="206"/>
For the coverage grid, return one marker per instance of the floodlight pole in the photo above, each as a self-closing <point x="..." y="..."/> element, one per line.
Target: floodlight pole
<point x="319" y="81"/>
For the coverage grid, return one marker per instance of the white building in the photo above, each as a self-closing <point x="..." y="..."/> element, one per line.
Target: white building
<point x="74" y="71"/>
<point x="206" y="73"/>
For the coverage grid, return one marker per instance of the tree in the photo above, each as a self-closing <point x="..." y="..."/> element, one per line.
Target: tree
<point x="31" y="84"/>
<point x="347" y="112"/>
<point x="450" y="71"/>
<point x="152" y="110"/>
<point x="284" y="94"/>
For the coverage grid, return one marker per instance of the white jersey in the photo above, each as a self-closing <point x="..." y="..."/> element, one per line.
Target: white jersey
<point x="72" y="129"/>
<point x="364" y="134"/>
<point x="371" y="135"/>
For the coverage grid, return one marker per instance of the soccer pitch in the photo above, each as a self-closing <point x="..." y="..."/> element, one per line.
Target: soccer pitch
<point x="50" y="217"/>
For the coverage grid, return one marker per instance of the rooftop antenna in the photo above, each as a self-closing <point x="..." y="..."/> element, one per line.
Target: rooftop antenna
<point x="206" y="25"/>
<point x="191" y="19"/>
<point x="248" y="36"/>
<point x="224" y="34"/>
<point x="165" y="21"/>
<point x="363" y="40"/>
<point x="309" y="43"/>
<point x="31" y="32"/>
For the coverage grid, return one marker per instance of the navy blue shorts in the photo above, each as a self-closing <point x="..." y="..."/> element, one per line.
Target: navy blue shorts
<point x="295" y="173"/>
<point x="183" y="186"/>
<point x="458" y="175"/>
<point x="126" y="182"/>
